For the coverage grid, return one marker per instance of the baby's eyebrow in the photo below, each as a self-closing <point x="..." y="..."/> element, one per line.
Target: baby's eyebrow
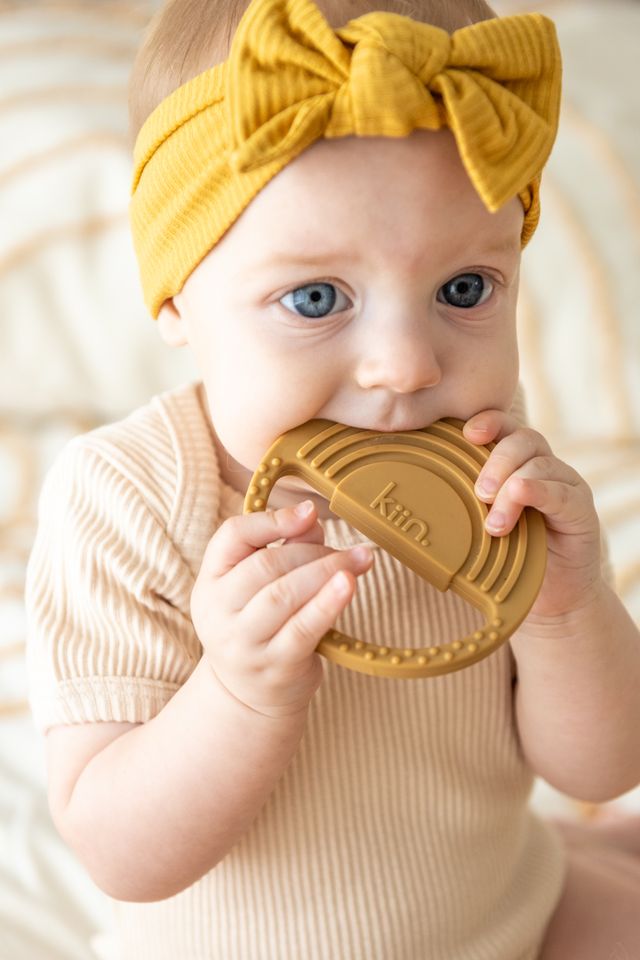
<point x="291" y="257"/>
<point x="277" y="258"/>
<point x="508" y="244"/>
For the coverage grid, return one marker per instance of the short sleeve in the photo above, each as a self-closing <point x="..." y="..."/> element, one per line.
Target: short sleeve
<point x="107" y="597"/>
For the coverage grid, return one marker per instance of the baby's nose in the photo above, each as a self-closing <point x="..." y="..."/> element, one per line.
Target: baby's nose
<point x="402" y="364"/>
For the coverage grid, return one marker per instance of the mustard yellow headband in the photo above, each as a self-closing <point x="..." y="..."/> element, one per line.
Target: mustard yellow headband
<point x="290" y="79"/>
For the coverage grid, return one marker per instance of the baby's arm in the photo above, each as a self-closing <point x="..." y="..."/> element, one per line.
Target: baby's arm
<point x="577" y="702"/>
<point x="149" y="808"/>
<point x="578" y="651"/>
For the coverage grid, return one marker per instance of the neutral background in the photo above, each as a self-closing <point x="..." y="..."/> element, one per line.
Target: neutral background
<point x="77" y="348"/>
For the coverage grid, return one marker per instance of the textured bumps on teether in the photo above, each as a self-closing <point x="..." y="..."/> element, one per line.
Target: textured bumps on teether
<point x="413" y="494"/>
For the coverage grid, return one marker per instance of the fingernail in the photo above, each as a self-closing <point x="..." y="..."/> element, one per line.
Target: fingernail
<point x="304" y="509"/>
<point x="361" y="555"/>
<point x="340" y="583"/>
<point x="495" y="521"/>
<point x="487" y="486"/>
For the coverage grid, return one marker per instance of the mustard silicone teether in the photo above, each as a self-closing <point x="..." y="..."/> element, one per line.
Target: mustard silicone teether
<point x="413" y="493"/>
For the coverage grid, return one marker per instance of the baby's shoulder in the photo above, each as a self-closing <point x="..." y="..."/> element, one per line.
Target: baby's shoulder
<point x="141" y="455"/>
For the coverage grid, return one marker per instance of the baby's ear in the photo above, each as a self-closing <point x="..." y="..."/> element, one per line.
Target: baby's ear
<point x="171" y="325"/>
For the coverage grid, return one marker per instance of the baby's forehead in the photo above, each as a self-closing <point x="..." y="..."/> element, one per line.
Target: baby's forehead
<point x="435" y="151"/>
<point x="352" y="196"/>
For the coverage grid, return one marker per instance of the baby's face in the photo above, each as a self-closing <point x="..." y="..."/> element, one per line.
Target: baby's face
<point x="366" y="283"/>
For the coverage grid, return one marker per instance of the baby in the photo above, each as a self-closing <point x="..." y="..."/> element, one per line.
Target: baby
<point x="332" y="220"/>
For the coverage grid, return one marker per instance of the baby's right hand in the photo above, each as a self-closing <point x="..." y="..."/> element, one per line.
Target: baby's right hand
<point x="260" y="613"/>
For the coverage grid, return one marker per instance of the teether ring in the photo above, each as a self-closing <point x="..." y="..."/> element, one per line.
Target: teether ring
<point x="413" y="494"/>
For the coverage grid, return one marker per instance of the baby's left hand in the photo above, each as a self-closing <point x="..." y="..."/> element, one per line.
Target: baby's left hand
<point x="522" y="471"/>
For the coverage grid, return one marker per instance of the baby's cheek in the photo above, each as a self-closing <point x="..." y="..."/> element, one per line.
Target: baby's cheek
<point x="501" y="375"/>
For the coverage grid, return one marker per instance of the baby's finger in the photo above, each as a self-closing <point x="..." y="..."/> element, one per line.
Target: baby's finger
<point x="315" y="534"/>
<point x="302" y="632"/>
<point x="489" y="426"/>
<point x="509" y="455"/>
<point x="240" y="536"/>
<point x="280" y="599"/>
<point x="561" y="495"/>
<point x="265" y="567"/>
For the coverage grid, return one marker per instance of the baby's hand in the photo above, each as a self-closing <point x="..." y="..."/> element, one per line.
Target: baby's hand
<point x="523" y="471"/>
<point x="260" y="613"/>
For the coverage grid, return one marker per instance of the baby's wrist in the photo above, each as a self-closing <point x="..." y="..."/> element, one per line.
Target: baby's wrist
<point x="592" y="610"/>
<point x="288" y="716"/>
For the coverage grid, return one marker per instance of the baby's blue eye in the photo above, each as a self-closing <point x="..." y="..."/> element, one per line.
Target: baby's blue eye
<point x="314" y="299"/>
<point x="465" y="290"/>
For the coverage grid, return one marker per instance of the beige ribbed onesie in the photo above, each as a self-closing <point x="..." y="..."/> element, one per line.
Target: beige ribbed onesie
<point x="400" y="830"/>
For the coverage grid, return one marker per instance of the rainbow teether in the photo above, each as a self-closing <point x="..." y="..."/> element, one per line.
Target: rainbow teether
<point x="413" y="494"/>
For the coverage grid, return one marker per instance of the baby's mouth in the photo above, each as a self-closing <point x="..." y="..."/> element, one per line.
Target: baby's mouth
<point x="388" y="424"/>
<point x="400" y="428"/>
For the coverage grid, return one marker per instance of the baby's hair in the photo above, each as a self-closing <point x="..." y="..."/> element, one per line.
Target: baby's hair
<point x="186" y="37"/>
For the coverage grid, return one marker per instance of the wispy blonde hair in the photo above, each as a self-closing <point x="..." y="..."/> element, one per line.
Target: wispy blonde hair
<point x="186" y="37"/>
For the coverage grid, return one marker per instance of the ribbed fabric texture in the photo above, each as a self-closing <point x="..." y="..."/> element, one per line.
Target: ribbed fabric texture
<point x="290" y="79"/>
<point x="400" y="830"/>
